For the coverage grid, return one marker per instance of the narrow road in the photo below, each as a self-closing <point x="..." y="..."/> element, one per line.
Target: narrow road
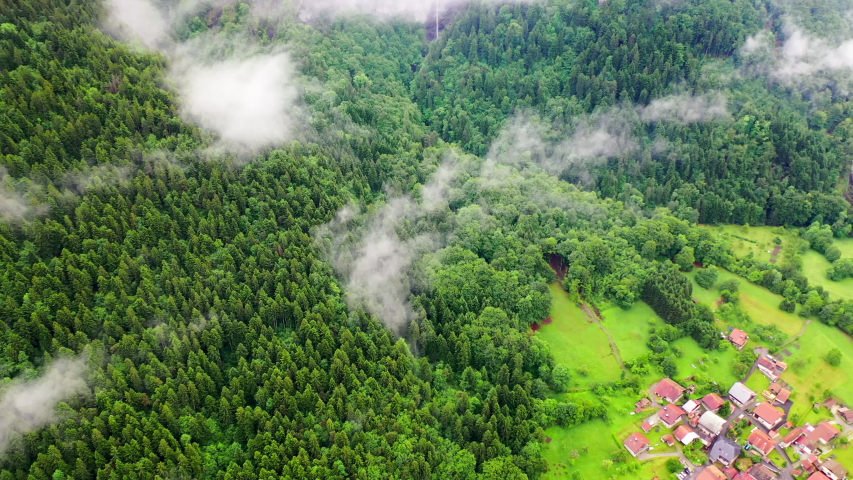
<point x="615" y="349"/>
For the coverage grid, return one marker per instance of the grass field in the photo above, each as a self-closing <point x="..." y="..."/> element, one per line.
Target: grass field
<point x="630" y="328"/>
<point x="816" y="375"/>
<point x="576" y="341"/>
<point x="814" y="268"/>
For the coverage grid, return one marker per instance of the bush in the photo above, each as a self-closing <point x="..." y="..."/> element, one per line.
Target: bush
<point x="732" y="285"/>
<point x="832" y="253"/>
<point x="707" y="277"/>
<point x="834" y="357"/>
<point x="788" y="306"/>
<point x="674" y="465"/>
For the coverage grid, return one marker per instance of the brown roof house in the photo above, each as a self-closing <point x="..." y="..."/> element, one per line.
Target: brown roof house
<point x="738" y="338"/>
<point x="713" y="402"/>
<point x="671" y="415"/>
<point x="814" y="437"/>
<point x="771" y="368"/>
<point x="760" y="471"/>
<point x="833" y="470"/>
<point x="685" y="434"/>
<point x="846" y="414"/>
<point x="792" y="437"/>
<point x="712" y="473"/>
<point x="668" y="439"/>
<point x="818" y="476"/>
<point x="768" y="415"/>
<point x="783" y="396"/>
<point x="636" y="443"/>
<point x="761" y="442"/>
<point x="668" y="390"/>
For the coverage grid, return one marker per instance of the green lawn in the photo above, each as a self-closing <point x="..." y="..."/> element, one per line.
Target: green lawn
<point x="814" y="268"/>
<point x="760" y="239"/>
<point x="816" y="375"/>
<point x="758" y="383"/>
<point x="718" y="366"/>
<point x="576" y="341"/>
<point x="630" y="328"/>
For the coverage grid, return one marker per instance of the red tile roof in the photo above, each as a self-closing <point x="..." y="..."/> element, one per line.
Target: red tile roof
<point x="669" y="390"/>
<point x="792" y="435"/>
<point x="646" y="426"/>
<point x="712" y="473"/>
<point x="768" y="413"/>
<point x="761" y="441"/>
<point x="783" y="395"/>
<point x="738" y="337"/>
<point x="824" y="431"/>
<point x="847" y="414"/>
<point x="669" y="439"/>
<point x="766" y="363"/>
<point x="713" y="401"/>
<point x="818" y="476"/>
<point x="682" y="432"/>
<point x="636" y="442"/>
<point x="671" y="413"/>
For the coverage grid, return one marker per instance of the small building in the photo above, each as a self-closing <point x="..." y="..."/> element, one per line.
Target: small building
<point x="668" y="390"/>
<point x="712" y="423"/>
<point x="690" y="407"/>
<point x="668" y="439"/>
<point x="738" y="338"/>
<point x="671" y="415"/>
<point x="647" y="427"/>
<point x="815" y="436"/>
<point x="712" y="473"/>
<point x="833" y="470"/>
<point x="846" y="414"/>
<point x="782" y="397"/>
<point x="740" y="394"/>
<point x="791" y="437"/>
<point x="759" y="471"/>
<point x="636" y="443"/>
<point x="830" y="403"/>
<point x="713" y="402"/>
<point x="644" y="403"/>
<point x="724" y="451"/>
<point x="768" y="415"/>
<point x="818" y="476"/>
<point x="761" y="442"/>
<point x="685" y="434"/>
<point x="771" y="368"/>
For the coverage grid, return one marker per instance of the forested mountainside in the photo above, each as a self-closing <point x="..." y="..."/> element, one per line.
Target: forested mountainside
<point x="354" y="300"/>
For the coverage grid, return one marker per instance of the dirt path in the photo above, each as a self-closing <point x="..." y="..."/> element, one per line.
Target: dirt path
<point x="775" y="255"/>
<point x="798" y="335"/>
<point x="613" y="348"/>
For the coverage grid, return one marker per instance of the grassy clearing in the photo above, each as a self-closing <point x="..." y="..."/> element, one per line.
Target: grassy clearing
<point x="756" y="240"/>
<point x="758" y="382"/>
<point x="576" y="341"/>
<point x="814" y="268"/>
<point x="816" y="376"/>
<point x="630" y="328"/>
<point x="716" y="364"/>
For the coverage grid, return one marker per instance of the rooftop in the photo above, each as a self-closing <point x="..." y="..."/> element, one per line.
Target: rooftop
<point x="669" y="390"/>
<point x="636" y="442"/>
<point x="770" y="414"/>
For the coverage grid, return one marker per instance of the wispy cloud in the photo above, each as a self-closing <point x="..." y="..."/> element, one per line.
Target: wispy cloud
<point x="26" y="405"/>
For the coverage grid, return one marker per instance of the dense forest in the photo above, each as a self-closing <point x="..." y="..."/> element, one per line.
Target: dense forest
<point x="353" y="300"/>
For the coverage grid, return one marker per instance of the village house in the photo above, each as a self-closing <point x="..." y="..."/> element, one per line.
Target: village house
<point x="713" y="402"/>
<point x="691" y="407"/>
<point x="712" y="423"/>
<point x="833" y="470"/>
<point x="756" y="472"/>
<point x="783" y="396"/>
<point x="712" y="473"/>
<point x="647" y="426"/>
<point x="846" y="414"/>
<point x="791" y="437"/>
<point x="668" y="439"/>
<point x="815" y="436"/>
<point x="671" y="415"/>
<point x="738" y="338"/>
<point x="724" y="451"/>
<point x="771" y="368"/>
<point x="761" y="442"/>
<point x="685" y="435"/>
<point x="818" y="476"/>
<point x="740" y="394"/>
<point x="668" y="390"/>
<point x="768" y="415"/>
<point x="642" y="404"/>
<point x="636" y="443"/>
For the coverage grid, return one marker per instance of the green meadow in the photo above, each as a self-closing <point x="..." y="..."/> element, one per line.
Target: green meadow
<point x="814" y="268"/>
<point x="575" y="340"/>
<point x="816" y="376"/>
<point x="630" y="328"/>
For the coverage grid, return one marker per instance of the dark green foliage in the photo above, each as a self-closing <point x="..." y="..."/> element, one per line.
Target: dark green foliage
<point x="833" y="357"/>
<point x="707" y="277"/>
